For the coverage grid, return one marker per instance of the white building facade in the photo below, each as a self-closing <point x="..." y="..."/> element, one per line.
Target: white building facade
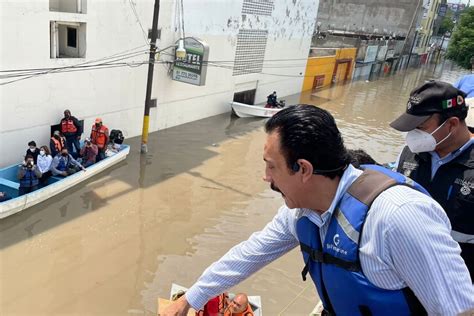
<point x="90" y="57"/>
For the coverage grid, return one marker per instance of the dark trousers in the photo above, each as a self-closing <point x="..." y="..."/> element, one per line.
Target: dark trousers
<point x="44" y="179"/>
<point x="25" y="190"/>
<point x="72" y="141"/>
<point x="100" y="155"/>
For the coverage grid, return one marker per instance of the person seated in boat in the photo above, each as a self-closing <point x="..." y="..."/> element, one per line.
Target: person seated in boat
<point x="89" y="153"/>
<point x="64" y="164"/>
<point x="33" y="151"/>
<point x="57" y="143"/>
<point x="272" y="100"/>
<point x="100" y="137"/>
<point x="4" y="197"/>
<point x="215" y="306"/>
<point x="44" y="165"/>
<point x="239" y="306"/>
<point x="28" y="174"/>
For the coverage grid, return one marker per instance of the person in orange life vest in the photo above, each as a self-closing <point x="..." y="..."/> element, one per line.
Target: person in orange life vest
<point x="100" y="137"/>
<point x="89" y="153"/>
<point x="56" y="143"/>
<point x="72" y="130"/>
<point x="215" y="306"/>
<point x="239" y="306"/>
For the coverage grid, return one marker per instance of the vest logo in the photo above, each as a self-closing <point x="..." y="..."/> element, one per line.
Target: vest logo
<point x="336" y="240"/>
<point x="466" y="186"/>
<point x="334" y="247"/>
<point x="408" y="168"/>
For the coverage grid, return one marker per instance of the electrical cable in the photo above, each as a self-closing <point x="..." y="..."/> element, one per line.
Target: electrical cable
<point x="145" y="34"/>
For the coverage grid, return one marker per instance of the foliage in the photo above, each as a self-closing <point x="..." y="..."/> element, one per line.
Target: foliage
<point x="447" y="24"/>
<point x="461" y="46"/>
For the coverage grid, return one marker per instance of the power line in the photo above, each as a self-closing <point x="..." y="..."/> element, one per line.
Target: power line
<point x="145" y="34"/>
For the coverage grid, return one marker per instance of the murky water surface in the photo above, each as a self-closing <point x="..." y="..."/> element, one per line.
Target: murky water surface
<point x="112" y="245"/>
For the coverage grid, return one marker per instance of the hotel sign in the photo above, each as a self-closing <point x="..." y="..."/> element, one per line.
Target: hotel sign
<point x="193" y="68"/>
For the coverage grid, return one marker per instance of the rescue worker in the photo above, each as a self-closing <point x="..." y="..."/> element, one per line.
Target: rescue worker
<point x="29" y="175"/>
<point x="440" y="155"/>
<point x="71" y="128"/>
<point x="100" y="137"/>
<point x="272" y="100"/>
<point x="64" y="164"/>
<point x="373" y="241"/>
<point x="215" y="306"/>
<point x="239" y="306"/>
<point x="56" y="143"/>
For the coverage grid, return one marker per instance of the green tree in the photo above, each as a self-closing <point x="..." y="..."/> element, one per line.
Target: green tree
<point x="447" y="24"/>
<point x="461" y="46"/>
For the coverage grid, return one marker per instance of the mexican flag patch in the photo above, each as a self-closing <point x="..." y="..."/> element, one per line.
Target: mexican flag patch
<point x="449" y="103"/>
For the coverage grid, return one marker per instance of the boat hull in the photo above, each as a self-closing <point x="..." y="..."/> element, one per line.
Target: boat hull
<point x="20" y="203"/>
<point x="245" y="110"/>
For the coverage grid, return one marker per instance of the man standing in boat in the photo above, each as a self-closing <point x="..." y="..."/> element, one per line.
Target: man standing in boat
<point x="403" y="262"/>
<point x="71" y="128"/>
<point x="272" y="100"/>
<point x="440" y="155"/>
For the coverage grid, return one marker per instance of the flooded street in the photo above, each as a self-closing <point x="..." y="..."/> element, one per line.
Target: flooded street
<point x="114" y="244"/>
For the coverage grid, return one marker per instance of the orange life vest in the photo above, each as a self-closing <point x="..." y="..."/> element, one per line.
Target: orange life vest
<point x="58" y="143"/>
<point x="247" y="312"/>
<point x="214" y="307"/>
<point x="67" y="126"/>
<point x="99" y="136"/>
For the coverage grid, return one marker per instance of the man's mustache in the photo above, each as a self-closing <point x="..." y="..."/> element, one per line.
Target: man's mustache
<point x="274" y="187"/>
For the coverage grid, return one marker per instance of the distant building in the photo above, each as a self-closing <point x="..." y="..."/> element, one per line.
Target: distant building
<point x="255" y="48"/>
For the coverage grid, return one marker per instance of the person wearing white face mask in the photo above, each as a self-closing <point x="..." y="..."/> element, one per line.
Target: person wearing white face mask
<point x="33" y="151"/>
<point x="440" y="155"/>
<point x="44" y="165"/>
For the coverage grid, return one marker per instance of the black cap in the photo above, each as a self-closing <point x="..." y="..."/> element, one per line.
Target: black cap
<point x="429" y="98"/>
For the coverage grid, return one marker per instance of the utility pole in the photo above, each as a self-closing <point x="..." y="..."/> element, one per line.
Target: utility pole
<point x="411" y="50"/>
<point x="149" y="84"/>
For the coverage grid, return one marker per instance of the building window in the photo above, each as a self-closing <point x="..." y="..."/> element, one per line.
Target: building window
<point x="70" y="6"/>
<point x="246" y="97"/>
<point x="67" y="39"/>
<point x="72" y="37"/>
<point x="250" y="51"/>
<point x="258" y="7"/>
<point x="318" y="82"/>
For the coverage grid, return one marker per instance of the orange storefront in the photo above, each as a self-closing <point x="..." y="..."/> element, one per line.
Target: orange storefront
<point x="328" y="66"/>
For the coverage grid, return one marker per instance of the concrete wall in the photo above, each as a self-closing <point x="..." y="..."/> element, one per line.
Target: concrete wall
<point x="367" y="15"/>
<point x="28" y="108"/>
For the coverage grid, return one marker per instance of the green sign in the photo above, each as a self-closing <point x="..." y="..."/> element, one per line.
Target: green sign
<point x="193" y="68"/>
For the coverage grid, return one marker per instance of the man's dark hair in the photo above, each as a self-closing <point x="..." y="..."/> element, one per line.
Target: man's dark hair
<point x="360" y="157"/>
<point x="32" y="143"/>
<point x="29" y="157"/>
<point x="308" y="132"/>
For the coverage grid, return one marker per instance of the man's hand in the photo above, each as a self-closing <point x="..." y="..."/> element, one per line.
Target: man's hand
<point x="178" y="308"/>
<point x="79" y="137"/>
<point x="83" y="169"/>
<point x="64" y="173"/>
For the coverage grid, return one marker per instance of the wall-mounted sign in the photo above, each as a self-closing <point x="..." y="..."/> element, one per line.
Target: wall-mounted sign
<point x="371" y="54"/>
<point x="193" y="68"/>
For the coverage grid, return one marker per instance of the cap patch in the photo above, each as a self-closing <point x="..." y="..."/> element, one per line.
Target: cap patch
<point x="447" y="104"/>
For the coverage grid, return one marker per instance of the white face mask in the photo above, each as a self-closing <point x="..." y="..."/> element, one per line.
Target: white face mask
<point x="420" y="141"/>
<point x="42" y="152"/>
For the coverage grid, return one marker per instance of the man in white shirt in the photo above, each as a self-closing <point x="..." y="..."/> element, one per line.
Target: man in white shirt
<point x="403" y="262"/>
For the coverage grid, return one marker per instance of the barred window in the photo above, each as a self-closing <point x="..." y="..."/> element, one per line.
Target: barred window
<point x="250" y="51"/>
<point x="258" y="7"/>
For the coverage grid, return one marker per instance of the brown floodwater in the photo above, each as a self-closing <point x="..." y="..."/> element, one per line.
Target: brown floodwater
<point x="114" y="244"/>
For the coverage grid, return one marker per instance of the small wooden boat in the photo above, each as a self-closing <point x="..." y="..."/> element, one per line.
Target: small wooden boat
<point x="10" y="184"/>
<point x="246" y="110"/>
<point x="254" y="301"/>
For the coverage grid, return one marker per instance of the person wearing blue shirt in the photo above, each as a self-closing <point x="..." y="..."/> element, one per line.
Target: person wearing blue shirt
<point x="440" y="155"/>
<point x="403" y="262"/>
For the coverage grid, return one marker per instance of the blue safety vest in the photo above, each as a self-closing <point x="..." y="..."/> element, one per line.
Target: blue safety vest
<point x="29" y="180"/>
<point x="335" y="267"/>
